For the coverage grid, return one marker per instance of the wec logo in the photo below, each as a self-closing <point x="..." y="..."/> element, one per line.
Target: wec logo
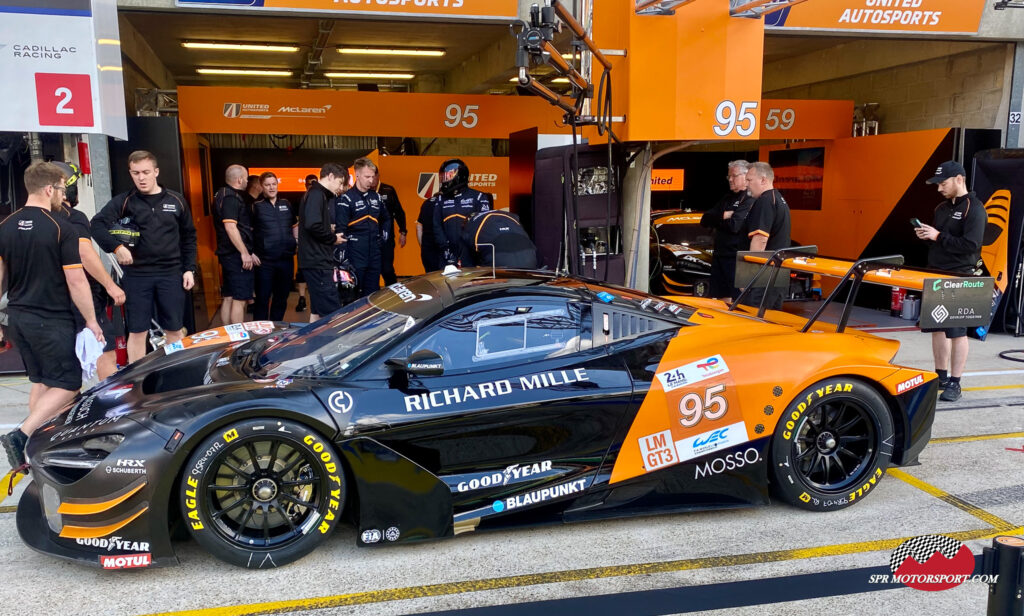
<point x="715" y="437"/>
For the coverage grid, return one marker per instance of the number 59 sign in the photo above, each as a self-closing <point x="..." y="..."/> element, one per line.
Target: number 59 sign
<point x="64" y="100"/>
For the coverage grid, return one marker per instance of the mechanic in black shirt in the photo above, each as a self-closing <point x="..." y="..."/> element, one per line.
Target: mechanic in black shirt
<point x="39" y="253"/>
<point x="232" y="221"/>
<point x="274" y="228"/>
<point x="102" y="287"/>
<point x="389" y="196"/>
<point x="362" y="217"/>
<point x="453" y="207"/>
<point x="300" y="280"/>
<point x="162" y="265"/>
<point x="729" y="218"/>
<point x="497" y="238"/>
<point x="767" y="225"/>
<point x="956" y="235"/>
<point x="317" y="239"/>
<point x="253" y="190"/>
<point x="430" y="253"/>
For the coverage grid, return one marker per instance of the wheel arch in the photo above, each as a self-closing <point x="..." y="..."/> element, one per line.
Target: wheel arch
<point x="199" y="431"/>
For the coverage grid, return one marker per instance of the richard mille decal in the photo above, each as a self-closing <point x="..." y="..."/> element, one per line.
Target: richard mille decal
<point x="493" y="389"/>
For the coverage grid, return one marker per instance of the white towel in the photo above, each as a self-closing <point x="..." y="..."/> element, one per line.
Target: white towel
<point x="88" y="349"/>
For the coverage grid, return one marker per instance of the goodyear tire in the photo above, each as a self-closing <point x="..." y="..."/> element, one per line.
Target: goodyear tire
<point x="263" y="492"/>
<point x="832" y="445"/>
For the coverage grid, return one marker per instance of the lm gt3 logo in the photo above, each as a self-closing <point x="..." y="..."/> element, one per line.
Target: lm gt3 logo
<point x="714" y="437"/>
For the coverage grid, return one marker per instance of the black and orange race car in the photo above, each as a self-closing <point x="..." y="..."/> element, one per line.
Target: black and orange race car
<point x="465" y="402"/>
<point x="680" y="254"/>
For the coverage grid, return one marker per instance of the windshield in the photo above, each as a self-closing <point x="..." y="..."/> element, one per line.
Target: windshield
<point x="336" y="343"/>
<point x="691" y="235"/>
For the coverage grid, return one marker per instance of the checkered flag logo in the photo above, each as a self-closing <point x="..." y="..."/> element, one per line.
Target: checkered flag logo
<point x="940" y="313"/>
<point x="923" y="548"/>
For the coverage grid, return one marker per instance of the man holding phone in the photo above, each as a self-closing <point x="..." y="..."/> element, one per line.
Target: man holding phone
<point x="956" y="237"/>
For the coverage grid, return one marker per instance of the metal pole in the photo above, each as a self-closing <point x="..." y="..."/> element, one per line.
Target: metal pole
<point x="35" y="147"/>
<point x="1006" y="559"/>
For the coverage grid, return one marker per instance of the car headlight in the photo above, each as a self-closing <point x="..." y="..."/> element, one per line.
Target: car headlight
<point x="85" y="454"/>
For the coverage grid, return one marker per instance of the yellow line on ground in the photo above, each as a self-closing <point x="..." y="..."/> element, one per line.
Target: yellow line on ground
<point x="8" y="509"/>
<point x="979" y="437"/>
<point x="990" y="387"/>
<point x="946" y="497"/>
<point x="575" y="575"/>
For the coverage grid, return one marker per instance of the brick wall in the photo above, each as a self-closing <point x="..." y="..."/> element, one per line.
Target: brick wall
<point x="961" y="90"/>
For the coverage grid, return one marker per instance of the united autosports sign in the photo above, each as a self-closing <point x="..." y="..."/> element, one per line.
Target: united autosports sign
<point x="447" y="9"/>
<point x="912" y="16"/>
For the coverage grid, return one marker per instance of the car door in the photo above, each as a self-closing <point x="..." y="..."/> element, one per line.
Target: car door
<point x="524" y="400"/>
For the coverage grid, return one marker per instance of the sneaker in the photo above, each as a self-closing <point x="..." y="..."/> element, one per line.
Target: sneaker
<point x="943" y="383"/>
<point x="301" y="306"/>
<point x="951" y="393"/>
<point x="14" y="444"/>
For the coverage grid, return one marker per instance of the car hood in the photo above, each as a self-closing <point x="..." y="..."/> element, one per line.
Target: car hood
<point x="189" y="369"/>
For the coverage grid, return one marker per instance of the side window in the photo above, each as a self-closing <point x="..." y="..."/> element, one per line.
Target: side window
<point x="503" y="333"/>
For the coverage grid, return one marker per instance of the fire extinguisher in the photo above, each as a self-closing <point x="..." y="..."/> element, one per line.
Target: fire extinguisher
<point x="896" y="304"/>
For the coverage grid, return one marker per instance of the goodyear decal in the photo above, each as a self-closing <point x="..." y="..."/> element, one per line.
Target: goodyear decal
<point x="824" y="390"/>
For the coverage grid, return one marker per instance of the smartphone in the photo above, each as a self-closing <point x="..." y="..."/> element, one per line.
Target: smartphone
<point x="916" y="223"/>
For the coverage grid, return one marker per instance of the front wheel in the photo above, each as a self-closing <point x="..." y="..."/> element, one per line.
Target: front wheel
<point x="262" y="493"/>
<point x="832" y="445"/>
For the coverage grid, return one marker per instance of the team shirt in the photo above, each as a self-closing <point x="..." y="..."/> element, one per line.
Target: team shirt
<point x="272" y="228"/>
<point x="230" y="206"/>
<point x="961" y="223"/>
<point x="37" y="246"/>
<point x="769" y="216"/>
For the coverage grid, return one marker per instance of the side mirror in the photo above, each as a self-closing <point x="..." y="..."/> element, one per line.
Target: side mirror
<point x="421" y="363"/>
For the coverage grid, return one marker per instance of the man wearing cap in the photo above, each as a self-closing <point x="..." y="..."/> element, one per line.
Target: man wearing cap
<point x="956" y="235"/>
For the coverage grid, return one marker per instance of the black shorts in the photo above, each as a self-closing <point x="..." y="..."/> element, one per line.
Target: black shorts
<point x="47" y="347"/>
<point x="110" y="331"/>
<point x="236" y="282"/>
<point x="323" y="291"/>
<point x="159" y="295"/>
<point x="951" y="333"/>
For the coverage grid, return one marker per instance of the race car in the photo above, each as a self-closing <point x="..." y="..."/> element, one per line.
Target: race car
<point x="462" y="402"/>
<point x="680" y="254"/>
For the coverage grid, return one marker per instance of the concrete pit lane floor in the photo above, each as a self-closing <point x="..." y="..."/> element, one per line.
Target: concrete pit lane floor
<point x="766" y="560"/>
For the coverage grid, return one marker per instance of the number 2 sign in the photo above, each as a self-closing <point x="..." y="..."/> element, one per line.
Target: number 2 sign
<point x="64" y="100"/>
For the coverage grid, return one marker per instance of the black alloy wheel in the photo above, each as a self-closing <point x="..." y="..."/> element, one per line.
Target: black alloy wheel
<point x="832" y="445"/>
<point x="262" y="493"/>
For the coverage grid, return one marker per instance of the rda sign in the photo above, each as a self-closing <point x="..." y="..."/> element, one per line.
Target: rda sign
<point x="956" y="302"/>
<point x="63" y="57"/>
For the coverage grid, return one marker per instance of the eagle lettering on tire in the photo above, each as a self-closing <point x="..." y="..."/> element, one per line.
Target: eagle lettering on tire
<point x="832" y="445"/>
<point x="267" y="497"/>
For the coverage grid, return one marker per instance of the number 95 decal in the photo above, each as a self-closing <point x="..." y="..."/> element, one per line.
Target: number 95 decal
<point x="712" y="406"/>
<point x="729" y="120"/>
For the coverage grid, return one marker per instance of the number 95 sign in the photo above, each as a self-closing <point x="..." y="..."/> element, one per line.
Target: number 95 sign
<point x="64" y="100"/>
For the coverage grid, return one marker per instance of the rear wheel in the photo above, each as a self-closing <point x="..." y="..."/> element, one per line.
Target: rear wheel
<point x="262" y="493"/>
<point x="832" y="445"/>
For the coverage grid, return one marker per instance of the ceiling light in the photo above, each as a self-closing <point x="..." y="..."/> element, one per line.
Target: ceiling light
<point x="391" y="51"/>
<point x="243" y="71"/>
<point x="239" y="47"/>
<point x="555" y="80"/>
<point x="370" y="75"/>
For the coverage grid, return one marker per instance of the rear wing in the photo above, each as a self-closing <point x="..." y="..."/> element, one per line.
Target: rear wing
<point x="885" y="271"/>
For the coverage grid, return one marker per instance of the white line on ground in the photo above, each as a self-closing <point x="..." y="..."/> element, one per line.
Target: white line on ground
<point x="993" y="372"/>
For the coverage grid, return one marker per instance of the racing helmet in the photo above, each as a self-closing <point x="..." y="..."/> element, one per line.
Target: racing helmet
<point x="73" y="174"/>
<point x="454" y="176"/>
